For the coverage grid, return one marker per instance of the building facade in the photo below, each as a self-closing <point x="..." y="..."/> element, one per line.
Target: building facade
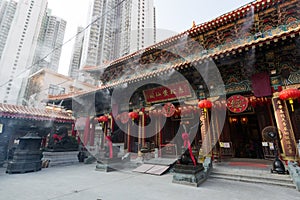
<point x="7" y="13"/>
<point x="51" y="36"/>
<point x="47" y="82"/>
<point x="76" y="54"/>
<point x="117" y="28"/>
<point x="20" y="45"/>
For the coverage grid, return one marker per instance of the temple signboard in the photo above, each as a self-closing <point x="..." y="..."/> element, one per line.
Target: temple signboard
<point x="166" y="93"/>
<point x="237" y="103"/>
<point x="286" y="134"/>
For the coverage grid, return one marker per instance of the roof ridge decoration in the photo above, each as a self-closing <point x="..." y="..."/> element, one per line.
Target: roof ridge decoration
<point x="234" y="15"/>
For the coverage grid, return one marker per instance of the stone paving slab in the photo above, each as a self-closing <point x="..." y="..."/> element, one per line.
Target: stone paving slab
<point x="83" y="182"/>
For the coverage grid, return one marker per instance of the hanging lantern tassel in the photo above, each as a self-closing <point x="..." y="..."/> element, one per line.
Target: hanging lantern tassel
<point x="292" y="106"/>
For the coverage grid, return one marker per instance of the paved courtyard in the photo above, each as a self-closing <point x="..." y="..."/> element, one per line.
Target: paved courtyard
<point x="83" y="182"/>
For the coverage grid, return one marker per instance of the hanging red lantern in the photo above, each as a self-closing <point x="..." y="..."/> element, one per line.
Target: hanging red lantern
<point x="205" y="104"/>
<point x="133" y="115"/>
<point x="103" y="118"/>
<point x="289" y="94"/>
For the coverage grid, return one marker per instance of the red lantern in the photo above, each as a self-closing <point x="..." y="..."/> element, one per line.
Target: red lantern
<point x="103" y="119"/>
<point x="133" y="115"/>
<point x="289" y="94"/>
<point x="205" y="104"/>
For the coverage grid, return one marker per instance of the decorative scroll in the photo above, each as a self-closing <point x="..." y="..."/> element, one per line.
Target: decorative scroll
<point x="237" y="103"/>
<point x="171" y="92"/>
<point x="284" y="125"/>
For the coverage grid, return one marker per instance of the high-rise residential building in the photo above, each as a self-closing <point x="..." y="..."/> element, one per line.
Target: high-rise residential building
<point x="117" y="28"/>
<point x="76" y="54"/>
<point x="7" y="12"/>
<point x="19" y="49"/>
<point x="51" y="36"/>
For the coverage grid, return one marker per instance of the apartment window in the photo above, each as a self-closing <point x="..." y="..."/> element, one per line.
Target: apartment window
<point x="56" y="90"/>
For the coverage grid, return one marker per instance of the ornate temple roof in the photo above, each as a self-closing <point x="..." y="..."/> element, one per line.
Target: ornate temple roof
<point x="214" y="54"/>
<point x="23" y="112"/>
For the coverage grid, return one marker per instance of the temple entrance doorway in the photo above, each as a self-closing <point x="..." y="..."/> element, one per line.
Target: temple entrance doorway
<point x="246" y="136"/>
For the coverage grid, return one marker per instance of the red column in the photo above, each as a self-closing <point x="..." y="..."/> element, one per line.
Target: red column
<point x="92" y="134"/>
<point x="86" y="131"/>
<point x="128" y="138"/>
<point x="73" y="130"/>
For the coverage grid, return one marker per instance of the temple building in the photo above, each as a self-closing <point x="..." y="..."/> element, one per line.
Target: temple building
<point x="232" y="83"/>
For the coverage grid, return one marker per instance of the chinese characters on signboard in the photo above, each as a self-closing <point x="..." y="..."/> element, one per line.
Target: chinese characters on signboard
<point x="288" y="141"/>
<point x="171" y="92"/>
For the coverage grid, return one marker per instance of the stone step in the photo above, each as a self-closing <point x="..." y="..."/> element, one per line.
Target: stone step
<point x="254" y="177"/>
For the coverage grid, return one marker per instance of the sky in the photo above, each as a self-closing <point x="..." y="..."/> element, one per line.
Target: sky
<point x="172" y="17"/>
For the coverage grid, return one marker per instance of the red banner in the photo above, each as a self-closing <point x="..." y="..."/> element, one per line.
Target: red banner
<point x="170" y="92"/>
